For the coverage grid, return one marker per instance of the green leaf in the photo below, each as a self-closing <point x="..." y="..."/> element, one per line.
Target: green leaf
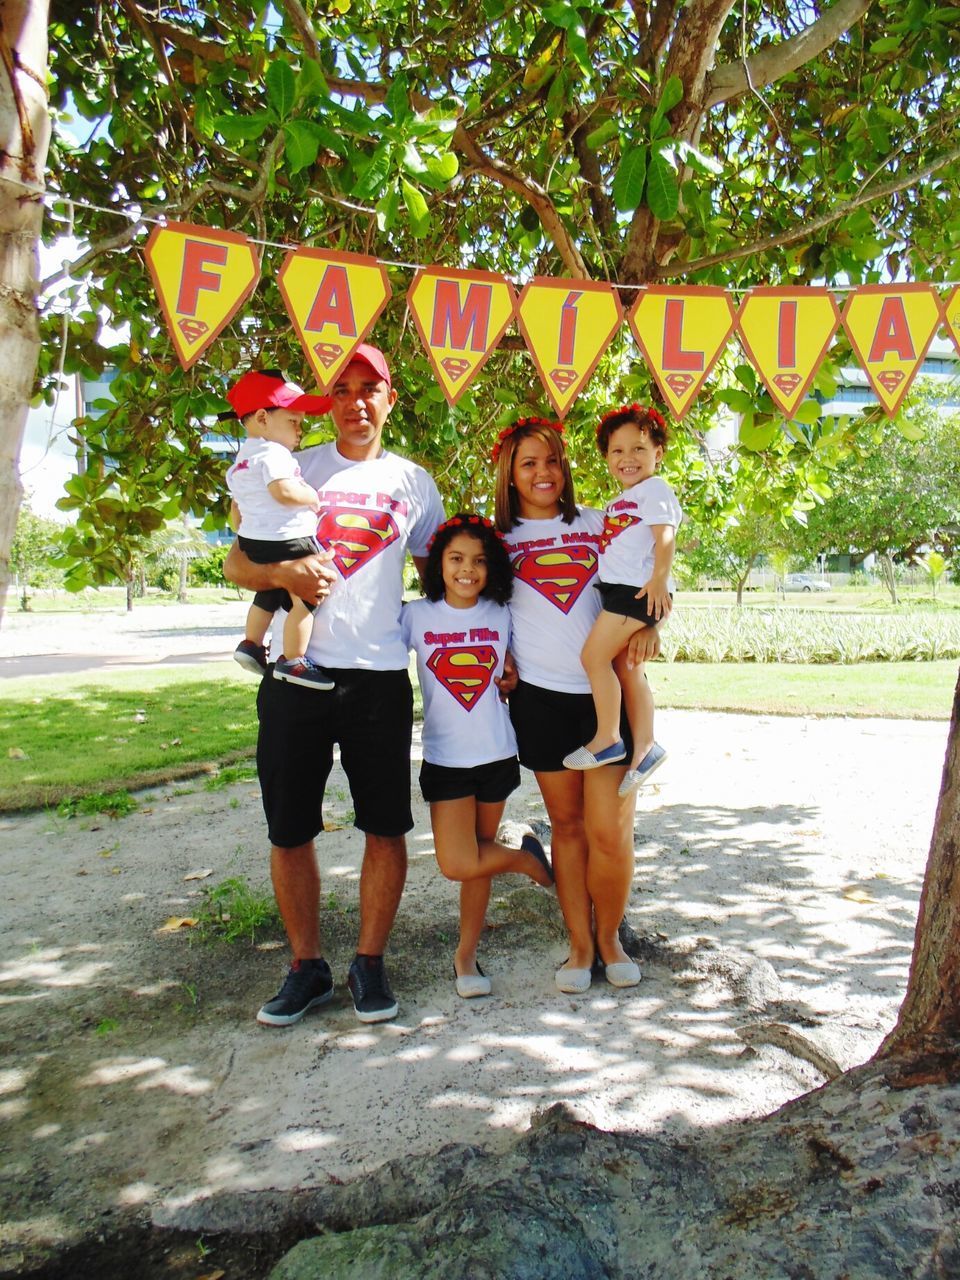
<point x="886" y="44"/>
<point x="412" y="160"/>
<point x="311" y="82"/>
<point x="562" y="15"/>
<point x="443" y="167"/>
<point x="910" y="430"/>
<point x="243" y="128"/>
<point x="398" y="99"/>
<point x="671" y="94"/>
<point x="807" y="412"/>
<point x="738" y="401"/>
<point x="757" y="436"/>
<point x="603" y="134"/>
<point x="663" y="192"/>
<point x="301" y="145"/>
<point x="281" y="87"/>
<point x="417" y="208"/>
<point x="628" y="184"/>
<point x="388" y="206"/>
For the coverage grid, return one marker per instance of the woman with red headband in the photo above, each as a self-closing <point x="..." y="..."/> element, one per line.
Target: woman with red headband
<point x="554" y="547"/>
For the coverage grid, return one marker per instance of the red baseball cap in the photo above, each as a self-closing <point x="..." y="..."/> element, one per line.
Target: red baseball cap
<point x="373" y="357"/>
<point x="266" y="391"/>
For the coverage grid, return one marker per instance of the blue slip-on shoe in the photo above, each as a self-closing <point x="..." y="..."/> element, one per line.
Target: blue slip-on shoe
<point x="583" y="759"/>
<point x="634" y="778"/>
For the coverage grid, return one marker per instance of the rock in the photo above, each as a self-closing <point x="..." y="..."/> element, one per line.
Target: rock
<point x="855" y="1180"/>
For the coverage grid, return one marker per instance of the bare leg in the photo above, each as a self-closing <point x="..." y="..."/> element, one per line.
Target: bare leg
<point x="609" y="828"/>
<point x="562" y="793"/>
<point x="608" y="636"/>
<point x="461" y="855"/>
<point x="296" y="885"/>
<point x="382" y="877"/>
<point x="475" y="895"/>
<point x="296" y="630"/>
<point x="257" y="624"/>
<point x="638" y="700"/>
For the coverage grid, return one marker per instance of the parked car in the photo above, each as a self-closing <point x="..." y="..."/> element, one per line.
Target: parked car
<point x="805" y="582"/>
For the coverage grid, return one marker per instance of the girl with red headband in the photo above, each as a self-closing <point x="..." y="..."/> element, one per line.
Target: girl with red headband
<point x="554" y="547"/>
<point x="637" y="547"/>
<point x="460" y="634"/>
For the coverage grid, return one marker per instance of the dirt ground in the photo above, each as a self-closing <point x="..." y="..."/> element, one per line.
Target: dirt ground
<point x="778" y="866"/>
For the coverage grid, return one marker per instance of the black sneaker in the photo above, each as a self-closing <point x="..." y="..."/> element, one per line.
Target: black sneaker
<point x="308" y="983"/>
<point x="252" y="657"/>
<point x="302" y="671"/>
<point x="373" y="1001"/>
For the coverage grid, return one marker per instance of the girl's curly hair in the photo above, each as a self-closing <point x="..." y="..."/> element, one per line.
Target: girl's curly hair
<point x="499" y="585"/>
<point x="644" y="416"/>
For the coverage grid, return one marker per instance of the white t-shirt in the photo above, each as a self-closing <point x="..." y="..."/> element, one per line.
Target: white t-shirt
<point x="459" y="652"/>
<point x="628" y="547"/>
<point x="372" y="514"/>
<point x="258" y="464"/>
<point x="554" y="605"/>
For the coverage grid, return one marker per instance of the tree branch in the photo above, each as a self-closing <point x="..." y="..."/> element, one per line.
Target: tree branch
<point x="71" y="269"/>
<point x="732" y="79"/>
<point x="808" y="229"/>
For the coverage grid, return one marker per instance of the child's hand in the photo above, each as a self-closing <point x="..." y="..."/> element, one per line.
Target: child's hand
<point x="658" y="597"/>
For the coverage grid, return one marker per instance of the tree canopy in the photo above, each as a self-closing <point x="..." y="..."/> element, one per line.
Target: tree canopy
<point x="634" y="142"/>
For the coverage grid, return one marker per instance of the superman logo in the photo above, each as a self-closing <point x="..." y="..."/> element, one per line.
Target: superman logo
<point x="563" y="379"/>
<point x="454" y="367"/>
<point x="192" y="330"/>
<point x="559" y="575"/>
<point x="327" y="352"/>
<point x="679" y="383"/>
<point x="614" y="525"/>
<point x="787" y="382"/>
<point x="890" y="379"/>
<point x="355" y="536"/>
<point x="466" y="673"/>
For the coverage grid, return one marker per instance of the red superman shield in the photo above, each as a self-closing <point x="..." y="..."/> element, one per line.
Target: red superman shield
<point x="559" y="575"/>
<point x="613" y="525"/>
<point x="466" y="673"/>
<point x="355" y="536"/>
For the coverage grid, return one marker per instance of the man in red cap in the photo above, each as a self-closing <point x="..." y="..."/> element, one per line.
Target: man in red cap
<point x="274" y="512"/>
<point x="375" y="508"/>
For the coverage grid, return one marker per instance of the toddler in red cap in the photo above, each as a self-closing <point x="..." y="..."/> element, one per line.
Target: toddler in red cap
<point x="274" y="513"/>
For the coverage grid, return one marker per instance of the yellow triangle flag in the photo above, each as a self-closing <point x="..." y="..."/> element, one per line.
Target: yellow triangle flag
<point x="202" y="278"/>
<point x="890" y="328"/>
<point x="681" y="333"/>
<point x="333" y="300"/>
<point x="567" y="325"/>
<point x="951" y="314"/>
<point x="785" y="333"/>
<point x="460" y="316"/>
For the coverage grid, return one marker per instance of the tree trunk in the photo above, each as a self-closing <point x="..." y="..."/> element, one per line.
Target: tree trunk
<point x="929" y="1021"/>
<point x="24" y="137"/>
<point x="184" y="558"/>
<point x="885" y="560"/>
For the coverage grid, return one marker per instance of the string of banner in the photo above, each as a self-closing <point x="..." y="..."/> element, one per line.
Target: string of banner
<point x="203" y="276"/>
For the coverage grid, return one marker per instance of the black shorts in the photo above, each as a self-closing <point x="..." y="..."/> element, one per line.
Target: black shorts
<point x="549" y="725"/>
<point x="370" y="715"/>
<point x="262" y="551"/>
<point x="616" y="597"/>
<point x="488" y="783"/>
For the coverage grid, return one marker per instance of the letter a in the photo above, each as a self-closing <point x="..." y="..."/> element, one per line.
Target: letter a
<point x="333" y="304"/>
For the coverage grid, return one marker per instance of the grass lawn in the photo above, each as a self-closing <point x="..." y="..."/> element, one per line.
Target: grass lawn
<point x="134" y="729"/>
<point x="895" y="690"/>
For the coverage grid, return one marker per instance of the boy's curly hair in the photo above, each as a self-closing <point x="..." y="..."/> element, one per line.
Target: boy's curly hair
<point x="499" y="586"/>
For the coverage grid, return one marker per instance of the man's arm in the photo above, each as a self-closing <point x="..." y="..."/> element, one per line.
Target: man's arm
<point x="308" y="579"/>
<point x="644" y="646"/>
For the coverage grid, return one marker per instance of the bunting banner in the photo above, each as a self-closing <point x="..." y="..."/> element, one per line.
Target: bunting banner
<point x="202" y="277"/>
<point x="460" y="316"/>
<point x="567" y="325"/>
<point x="951" y="314"/>
<point x="333" y="300"/>
<point x="890" y="328"/>
<point x="681" y="333"/>
<point x="785" y="334"/>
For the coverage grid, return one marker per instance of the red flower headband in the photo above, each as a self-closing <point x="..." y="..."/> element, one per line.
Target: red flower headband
<point x="641" y="411"/>
<point x="456" y="522"/>
<point x="525" y="422"/>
